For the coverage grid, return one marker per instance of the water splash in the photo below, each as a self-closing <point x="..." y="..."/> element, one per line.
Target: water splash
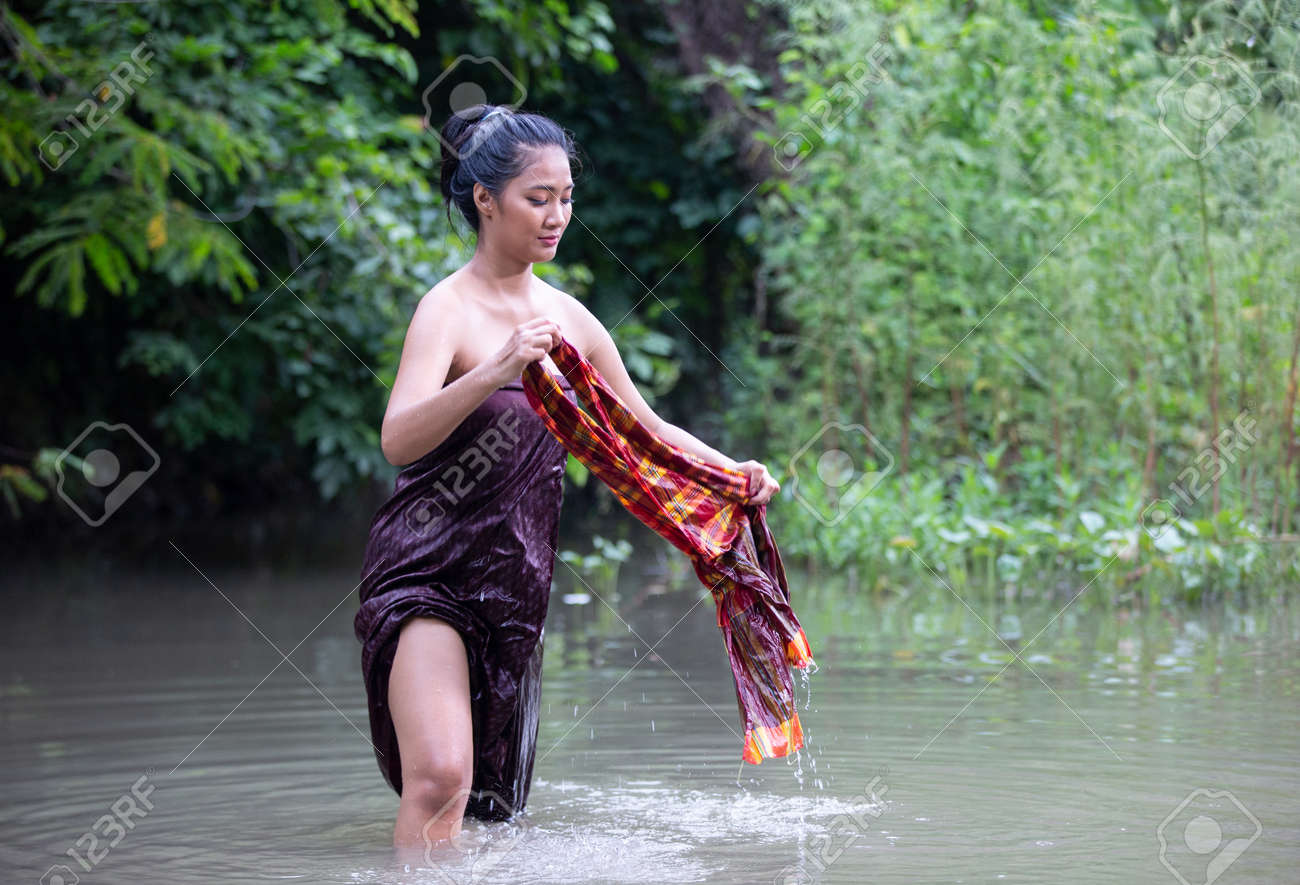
<point x="796" y="759"/>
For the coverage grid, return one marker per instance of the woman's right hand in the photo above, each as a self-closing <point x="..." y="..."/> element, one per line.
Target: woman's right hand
<point x="528" y="343"/>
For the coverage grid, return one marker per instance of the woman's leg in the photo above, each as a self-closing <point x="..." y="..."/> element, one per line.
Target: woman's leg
<point x="428" y="697"/>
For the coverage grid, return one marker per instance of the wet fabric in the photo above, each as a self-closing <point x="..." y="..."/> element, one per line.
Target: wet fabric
<point x="468" y="536"/>
<point x="698" y="507"/>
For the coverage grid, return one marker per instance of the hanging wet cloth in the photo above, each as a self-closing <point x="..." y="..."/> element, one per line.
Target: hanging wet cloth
<point x="699" y="508"/>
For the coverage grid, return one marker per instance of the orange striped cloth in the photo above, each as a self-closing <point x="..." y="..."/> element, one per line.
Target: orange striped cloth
<point x="700" y="508"/>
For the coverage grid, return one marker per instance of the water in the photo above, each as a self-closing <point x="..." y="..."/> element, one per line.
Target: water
<point x="143" y="690"/>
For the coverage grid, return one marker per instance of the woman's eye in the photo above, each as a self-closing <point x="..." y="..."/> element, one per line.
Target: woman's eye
<point x="543" y="202"/>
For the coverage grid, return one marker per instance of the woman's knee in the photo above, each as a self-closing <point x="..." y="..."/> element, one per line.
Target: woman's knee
<point x="429" y="701"/>
<point x="433" y="781"/>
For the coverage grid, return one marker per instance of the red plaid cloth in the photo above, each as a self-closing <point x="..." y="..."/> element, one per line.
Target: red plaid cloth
<point x="699" y="507"/>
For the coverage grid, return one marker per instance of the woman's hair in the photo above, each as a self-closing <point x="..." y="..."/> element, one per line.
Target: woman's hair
<point x="490" y="144"/>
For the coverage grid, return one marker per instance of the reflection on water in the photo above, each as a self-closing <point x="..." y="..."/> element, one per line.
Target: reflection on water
<point x="153" y="732"/>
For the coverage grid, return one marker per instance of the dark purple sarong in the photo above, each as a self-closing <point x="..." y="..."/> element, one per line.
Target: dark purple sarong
<point x="468" y="536"/>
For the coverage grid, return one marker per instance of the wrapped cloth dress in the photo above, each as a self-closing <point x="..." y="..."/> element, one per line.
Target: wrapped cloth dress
<point x="468" y="536"/>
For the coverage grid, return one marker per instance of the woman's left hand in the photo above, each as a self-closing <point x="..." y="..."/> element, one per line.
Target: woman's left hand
<point x="761" y="483"/>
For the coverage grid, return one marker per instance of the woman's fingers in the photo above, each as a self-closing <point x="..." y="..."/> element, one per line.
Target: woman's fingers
<point x="762" y="482"/>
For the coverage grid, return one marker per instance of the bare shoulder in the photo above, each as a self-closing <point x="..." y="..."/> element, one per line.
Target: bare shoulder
<point x="446" y="293"/>
<point x="559" y="297"/>
<point x="579" y="324"/>
<point x="438" y="321"/>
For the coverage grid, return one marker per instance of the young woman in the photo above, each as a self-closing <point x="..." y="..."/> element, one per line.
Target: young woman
<point x="458" y="565"/>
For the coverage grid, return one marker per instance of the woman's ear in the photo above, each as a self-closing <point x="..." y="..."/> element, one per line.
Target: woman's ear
<point x="483" y="200"/>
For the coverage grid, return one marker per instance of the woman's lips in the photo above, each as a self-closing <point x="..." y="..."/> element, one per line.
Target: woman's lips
<point x="550" y="241"/>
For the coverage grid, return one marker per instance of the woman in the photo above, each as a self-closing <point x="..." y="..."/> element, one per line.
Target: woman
<point x="458" y="566"/>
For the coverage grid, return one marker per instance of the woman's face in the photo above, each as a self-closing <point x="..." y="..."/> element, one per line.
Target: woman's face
<point x="534" y="208"/>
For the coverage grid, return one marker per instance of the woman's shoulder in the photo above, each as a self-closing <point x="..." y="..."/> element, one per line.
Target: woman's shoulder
<point x="446" y="291"/>
<point x="447" y="302"/>
<point x="574" y="315"/>
<point x="453" y="294"/>
<point x="555" y="294"/>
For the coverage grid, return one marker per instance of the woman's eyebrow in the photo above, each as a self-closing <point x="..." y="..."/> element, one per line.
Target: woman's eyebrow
<point x="549" y="187"/>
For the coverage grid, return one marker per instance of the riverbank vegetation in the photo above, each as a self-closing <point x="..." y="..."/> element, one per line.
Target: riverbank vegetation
<point x="1004" y="294"/>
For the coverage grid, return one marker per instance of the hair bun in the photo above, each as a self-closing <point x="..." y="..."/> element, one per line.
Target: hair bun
<point x="491" y="155"/>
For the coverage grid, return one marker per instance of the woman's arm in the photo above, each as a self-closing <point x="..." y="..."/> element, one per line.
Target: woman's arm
<point x="762" y="485"/>
<point x="597" y="346"/>
<point x="421" y="412"/>
<point x="684" y="440"/>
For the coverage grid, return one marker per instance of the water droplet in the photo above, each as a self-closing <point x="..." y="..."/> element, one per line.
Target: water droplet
<point x="796" y="759"/>
<point x="807" y="686"/>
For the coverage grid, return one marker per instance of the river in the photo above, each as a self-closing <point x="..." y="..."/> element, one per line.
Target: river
<point x="153" y="732"/>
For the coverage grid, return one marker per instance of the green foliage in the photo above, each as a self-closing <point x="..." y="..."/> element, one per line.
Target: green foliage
<point x="247" y="184"/>
<point x="601" y="566"/>
<point x="990" y="245"/>
<point x="1023" y="535"/>
<point x="991" y="251"/>
<point x="249" y="212"/>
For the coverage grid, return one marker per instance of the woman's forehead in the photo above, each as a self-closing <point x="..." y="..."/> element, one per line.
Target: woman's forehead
<point x="548" y="168"/>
